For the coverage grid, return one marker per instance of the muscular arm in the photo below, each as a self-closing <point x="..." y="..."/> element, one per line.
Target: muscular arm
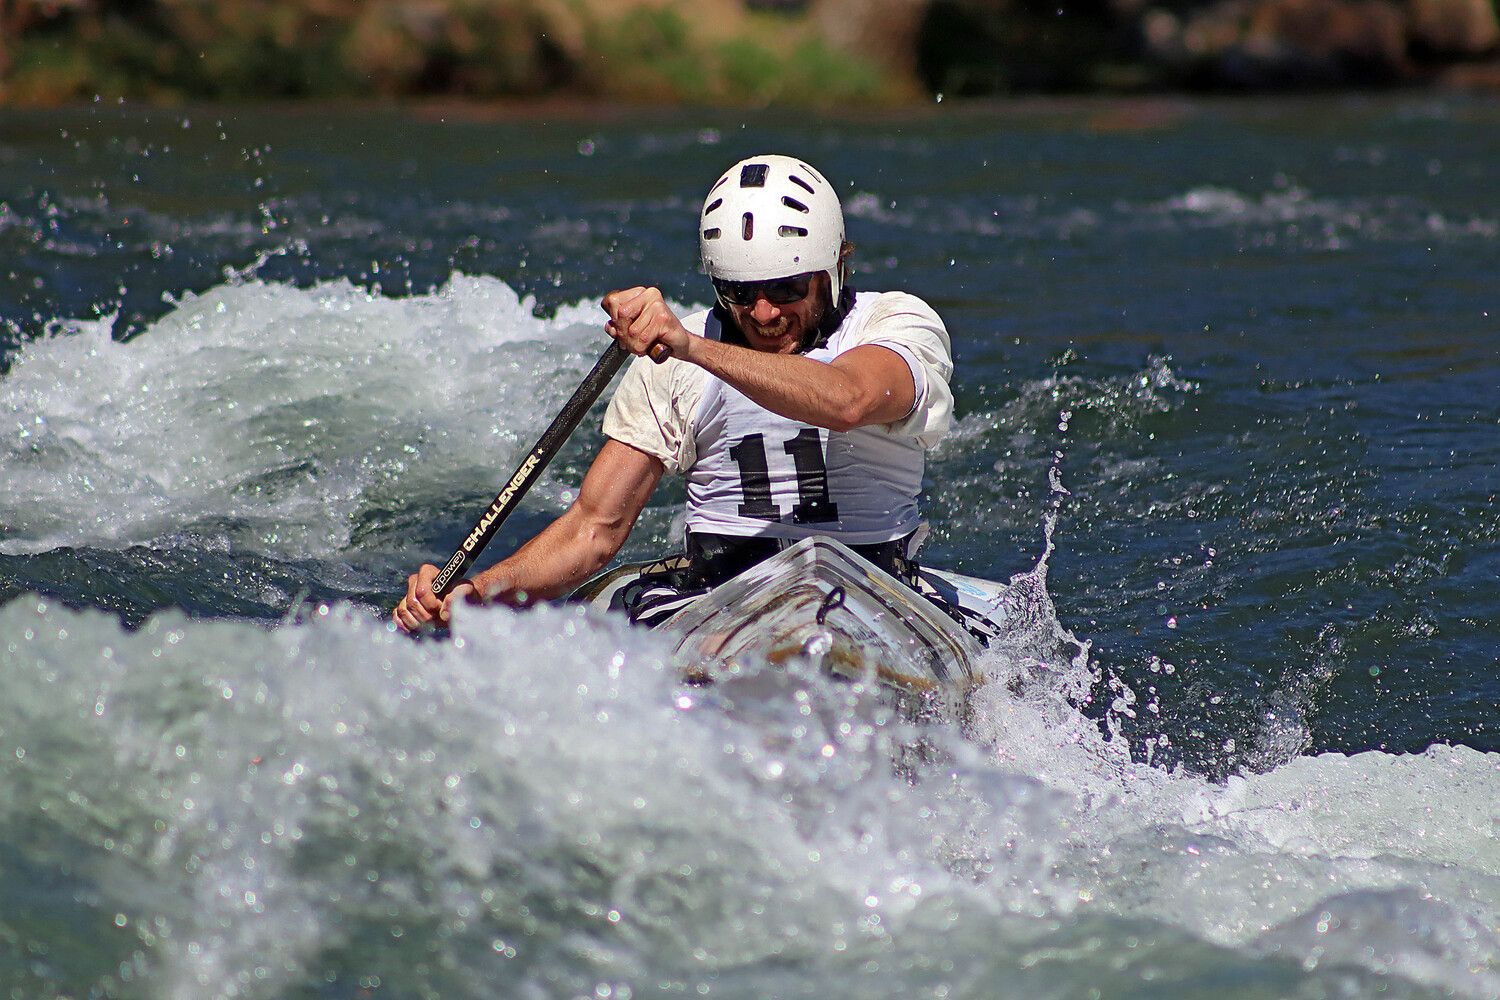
<point x="565" y="553"/>
<point x="587" y="535"/>
<point x="868" y="385"/>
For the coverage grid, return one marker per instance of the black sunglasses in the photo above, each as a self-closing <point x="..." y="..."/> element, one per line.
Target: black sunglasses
<point x="778" y="292"/>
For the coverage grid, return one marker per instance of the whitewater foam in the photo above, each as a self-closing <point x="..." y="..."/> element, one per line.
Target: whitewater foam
<point x="541" y="803"/>
<point x="277" y="416"/>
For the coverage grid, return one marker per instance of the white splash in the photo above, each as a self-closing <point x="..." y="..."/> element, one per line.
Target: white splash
<point x="277" y="414"/>
<point x="540" y="807"/>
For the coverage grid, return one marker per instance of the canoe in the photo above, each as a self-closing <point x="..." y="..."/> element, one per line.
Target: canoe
<point x="820" y="601"/>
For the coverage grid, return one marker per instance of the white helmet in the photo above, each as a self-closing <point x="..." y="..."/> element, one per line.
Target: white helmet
<point x="771" y="217"/>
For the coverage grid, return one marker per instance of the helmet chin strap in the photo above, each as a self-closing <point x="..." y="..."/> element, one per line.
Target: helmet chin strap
<point x="838" y="277"/>
<point x="831" y="318"/>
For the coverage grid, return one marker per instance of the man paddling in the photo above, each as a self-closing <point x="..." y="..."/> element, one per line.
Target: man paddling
<point x="794" y="407"/>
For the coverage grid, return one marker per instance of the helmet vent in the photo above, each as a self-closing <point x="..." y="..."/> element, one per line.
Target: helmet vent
<point x="753" y="175"/>
<point x="711" y="234"/>
<point x="716" y="203"/>
<point x="801" y="183"/>
<point x="719" y="184"/>
<point x="792" y="231"/>
<point x="749" y="226"/>
<point x="793" y="203"/>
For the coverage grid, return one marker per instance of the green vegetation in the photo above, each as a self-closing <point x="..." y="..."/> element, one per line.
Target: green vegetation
<point x="817" y="52"/>
<point x="647" y="54"/>
<point x="170" y="50"/>
<point x="813" y="73"/>
<point x="654" y="55"/>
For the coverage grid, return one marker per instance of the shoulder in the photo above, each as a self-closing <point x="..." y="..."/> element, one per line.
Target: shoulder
<point x="898" y="318"/>
<point x="910" y="327"/>
<point x="666" y="382"/>
<point x="897" y="308"/>
<point x="651" y="410"/>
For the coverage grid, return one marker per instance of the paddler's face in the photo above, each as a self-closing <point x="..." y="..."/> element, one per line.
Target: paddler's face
<point x="782" y="328"/>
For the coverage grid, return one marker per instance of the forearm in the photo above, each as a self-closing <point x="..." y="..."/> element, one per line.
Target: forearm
<point x="562" y="556"/>
<point x="799" y="387"/>
<point x="588" y="534"/>
<point x="869" y="384"/>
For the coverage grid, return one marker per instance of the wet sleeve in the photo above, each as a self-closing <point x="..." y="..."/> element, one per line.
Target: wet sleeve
<point x="910" y="327"/>
<point x="651" y="412"/>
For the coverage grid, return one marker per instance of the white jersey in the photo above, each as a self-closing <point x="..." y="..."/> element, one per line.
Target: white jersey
<point x="754" y="472"/>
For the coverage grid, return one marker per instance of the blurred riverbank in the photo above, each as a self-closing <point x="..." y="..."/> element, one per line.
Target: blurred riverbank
<point x="821" y="53"/>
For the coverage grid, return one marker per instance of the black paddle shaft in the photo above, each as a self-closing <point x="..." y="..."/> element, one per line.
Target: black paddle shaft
<point x="540" y="456"/>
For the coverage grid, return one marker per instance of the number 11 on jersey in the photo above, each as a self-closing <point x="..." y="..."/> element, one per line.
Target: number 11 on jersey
<point x="814" y="506"/>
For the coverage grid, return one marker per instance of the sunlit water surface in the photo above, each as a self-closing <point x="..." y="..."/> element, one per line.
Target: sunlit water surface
<point x="1236" y="363"/>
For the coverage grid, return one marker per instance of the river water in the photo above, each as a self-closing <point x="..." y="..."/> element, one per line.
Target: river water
<point x="1228" y="416"/>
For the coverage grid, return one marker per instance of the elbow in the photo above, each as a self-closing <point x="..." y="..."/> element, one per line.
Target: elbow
<point x="845" y="420"/>
<point x="844" y="411"/>
<point x="852" y="412"/>
<point x="587" y="542"/>
<point x="601" y="543"/>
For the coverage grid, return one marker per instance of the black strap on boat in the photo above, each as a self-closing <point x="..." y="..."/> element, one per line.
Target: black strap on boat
<point x="714" y="558"/>
<point x="833" y="601"/>
<point x="665" y="587"/>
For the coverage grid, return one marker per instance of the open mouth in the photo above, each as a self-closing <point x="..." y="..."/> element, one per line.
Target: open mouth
<point x="773" y="331"/>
